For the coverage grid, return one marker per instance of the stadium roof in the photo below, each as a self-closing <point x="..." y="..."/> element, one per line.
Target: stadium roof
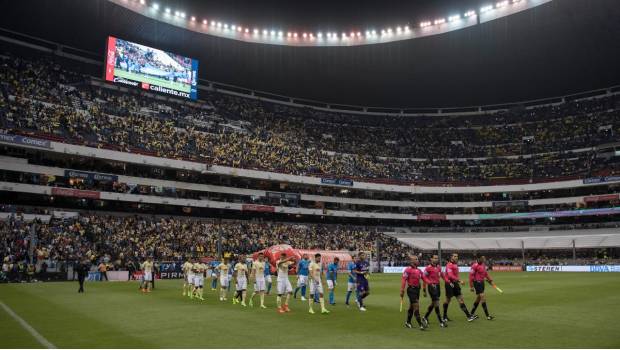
<point x="557" y="48"/>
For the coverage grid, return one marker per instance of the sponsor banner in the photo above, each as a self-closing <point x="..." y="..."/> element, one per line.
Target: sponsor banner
<point x="90" y="176"/>
<point x="504" y="204"/>
<point x="93" y="276"/>
<point x="595" y="180"/>
<point x="573" y="268"/>
<point x="283" y="195"/>
<point x="339" y="182"/>
<point x="118" y="275"/>
<point x="70" y="192"/>
<point x="601" y="198"/>
<point x="551" y="214"/>
<point x="257" y="207"/>
<point x="170" y="270"/>
<point x="23" y="140"/>
<point x="507" y="268"/>
<point x="65" y="214"/>
<point x="401" y="269"/>
<point x="431" y="216"/>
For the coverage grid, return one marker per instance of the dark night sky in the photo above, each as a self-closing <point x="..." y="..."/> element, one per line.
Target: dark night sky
<point x="562" y="47"/>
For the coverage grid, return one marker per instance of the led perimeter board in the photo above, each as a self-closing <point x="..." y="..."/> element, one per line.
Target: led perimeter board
<point x="151" y="69"/>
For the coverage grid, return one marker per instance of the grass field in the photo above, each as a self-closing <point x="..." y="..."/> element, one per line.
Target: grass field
<point x="560" y="310"/>
<point x="152" y="80"/>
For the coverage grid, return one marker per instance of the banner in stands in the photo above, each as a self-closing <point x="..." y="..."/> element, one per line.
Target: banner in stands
<point x="595" y="180"/>
<point x="118" y="275"/>
<point x="573" y="268"/>
<point x="70" y="192"/>
<point x="272" y="254"/>
<point x="431" y="216"/>
<point x="170" y="270"/>
<point x="257" y="207"/>
<point x="504" y="204"/>
<point x="601" y="198"/>
<point x="65" y="214"/>
<point x="551" y="214"/>
<point x="507" y="268"/>
<point x="91" y="176"/>
<point x="339" y="182"/>
<point x="23" y="140"/>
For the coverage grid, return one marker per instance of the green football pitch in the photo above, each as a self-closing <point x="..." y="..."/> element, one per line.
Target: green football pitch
<point x="152" y="80"/>
<point x="559" y="310"/>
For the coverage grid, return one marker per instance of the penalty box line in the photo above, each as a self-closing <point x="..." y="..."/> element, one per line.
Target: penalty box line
<point x="36" y="335"/>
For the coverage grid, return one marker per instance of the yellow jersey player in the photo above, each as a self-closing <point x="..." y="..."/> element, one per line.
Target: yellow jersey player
<point x="147" y="269"/>
<point x="188" y="277"/>
<point x="241" y="277"/>
<point x="222" y="270"/>
<point x="260" y="283"/>
<point x="199" y="270"/>
<point x="316" y="284"/>
<point x="284" y="284"/>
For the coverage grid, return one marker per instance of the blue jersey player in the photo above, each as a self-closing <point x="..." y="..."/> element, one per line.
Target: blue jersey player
<point x="268" y="276"/>
<point x="302" y="276"/>
<point x="361" y="271"/>
<point x="351" y="280"/>
<point x="332" y="275"/>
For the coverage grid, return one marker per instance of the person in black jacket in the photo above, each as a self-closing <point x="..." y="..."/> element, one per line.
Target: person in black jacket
<point x="82" y="271"/>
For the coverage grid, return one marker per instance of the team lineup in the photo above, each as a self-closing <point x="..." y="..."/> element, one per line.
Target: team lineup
<point x="310" y="279"/>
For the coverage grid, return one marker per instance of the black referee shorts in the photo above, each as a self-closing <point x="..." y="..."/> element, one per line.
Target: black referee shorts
<point x="414" y="294"/>
<point x="434" y="291"/>
<point x="453" y="291"/>
<point x="479" y="287"/>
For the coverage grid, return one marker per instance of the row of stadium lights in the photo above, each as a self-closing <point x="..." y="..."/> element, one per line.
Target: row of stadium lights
<point x="369" y="34"/>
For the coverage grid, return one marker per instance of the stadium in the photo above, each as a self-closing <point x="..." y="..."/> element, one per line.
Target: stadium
<point x="322" y="174"/>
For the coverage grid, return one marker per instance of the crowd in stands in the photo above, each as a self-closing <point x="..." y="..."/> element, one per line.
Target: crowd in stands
<point x="45" y="99"/>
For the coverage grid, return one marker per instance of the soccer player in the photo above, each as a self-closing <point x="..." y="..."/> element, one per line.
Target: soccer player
<point x="188" y="278"/>
<point x="411" y="279"/>
<point x="453" y="288"/>
<point x="477" y="276"/>
<point x="241" y="277"/>
<point x="351" y="287"/>
<point x="258" y="274"/>
<point x="332" y="275"/>
<point x="284" y="285"/>
<point x="433" y="276"/>
<point x="147" y="269"/>
<point x="199" y="270"/>
<point x="316" y="284"/>
<point x="213" y="275"/>
<point x="361" y="271"/>
<point x="302" y="276"/>
<point x="222" y="270"/>
<point x="268" y="276"/>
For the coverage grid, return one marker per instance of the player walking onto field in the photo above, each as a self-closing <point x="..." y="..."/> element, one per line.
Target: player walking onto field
<point x="433" y="276"/>
<point x="361" y="271"/>
<point x="258" y="274"/>
<point x="241" y="277"/>
<point x="222" y="270"/>
<point x="477" y="276"/>
<point x="332" y="276"/>
<point x="302" y="276"/>
<point x="284" y="285"/>
<point x="316" y="284"/>
<point x="199" y="270"/>
<point x="351" y="286"/>
<point x="411" y="279"/>
<point x="453" y="288"/>
<point x="147" y="269"/>
<point x="188" y="277"/>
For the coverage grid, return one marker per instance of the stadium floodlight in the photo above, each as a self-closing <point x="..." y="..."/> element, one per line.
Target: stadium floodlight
<point x="219" y="24"/>
<point x="399" y="30"/>
<point x="295" y="35"/>
<point x="289" y="34"/>
<point x="155" y="6"/>
<point x="193" y="19"/>
<point x="225" y="26"/>
<point x="304" y="35"/>
<point x="319" y="35"/>
<point x="233" y="27"/>
<point x="373" y="32"/>
<point x="167" y="10"/>
<point x="425" y="24"/>
<point x="516" y="1"/>
<point x="204" y="21"/>
<point x="213" y="23"/>
<point x="272" y="33"/>
<point x="440" y="21"/>
<point x="470" y="13"/>
<point x="454" y="18"/>
<point x="182" y="14"/>
<point x="265" y="32"/>
<point x="280" y="34"/>
<point x="484" y="9"/>
<point x="389" y="31"/>
<point x="142" y="2"/>
<point x="501" y="4"/>
<point x="239" y="29"/>
<point x="177" y="13"/>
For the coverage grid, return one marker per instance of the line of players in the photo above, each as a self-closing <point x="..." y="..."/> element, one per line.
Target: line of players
<point x="414" y="279"/>
<point x="310" y="274"/>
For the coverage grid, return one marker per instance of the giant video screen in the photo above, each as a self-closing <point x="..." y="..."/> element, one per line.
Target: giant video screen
<point x="151" y="69"/>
